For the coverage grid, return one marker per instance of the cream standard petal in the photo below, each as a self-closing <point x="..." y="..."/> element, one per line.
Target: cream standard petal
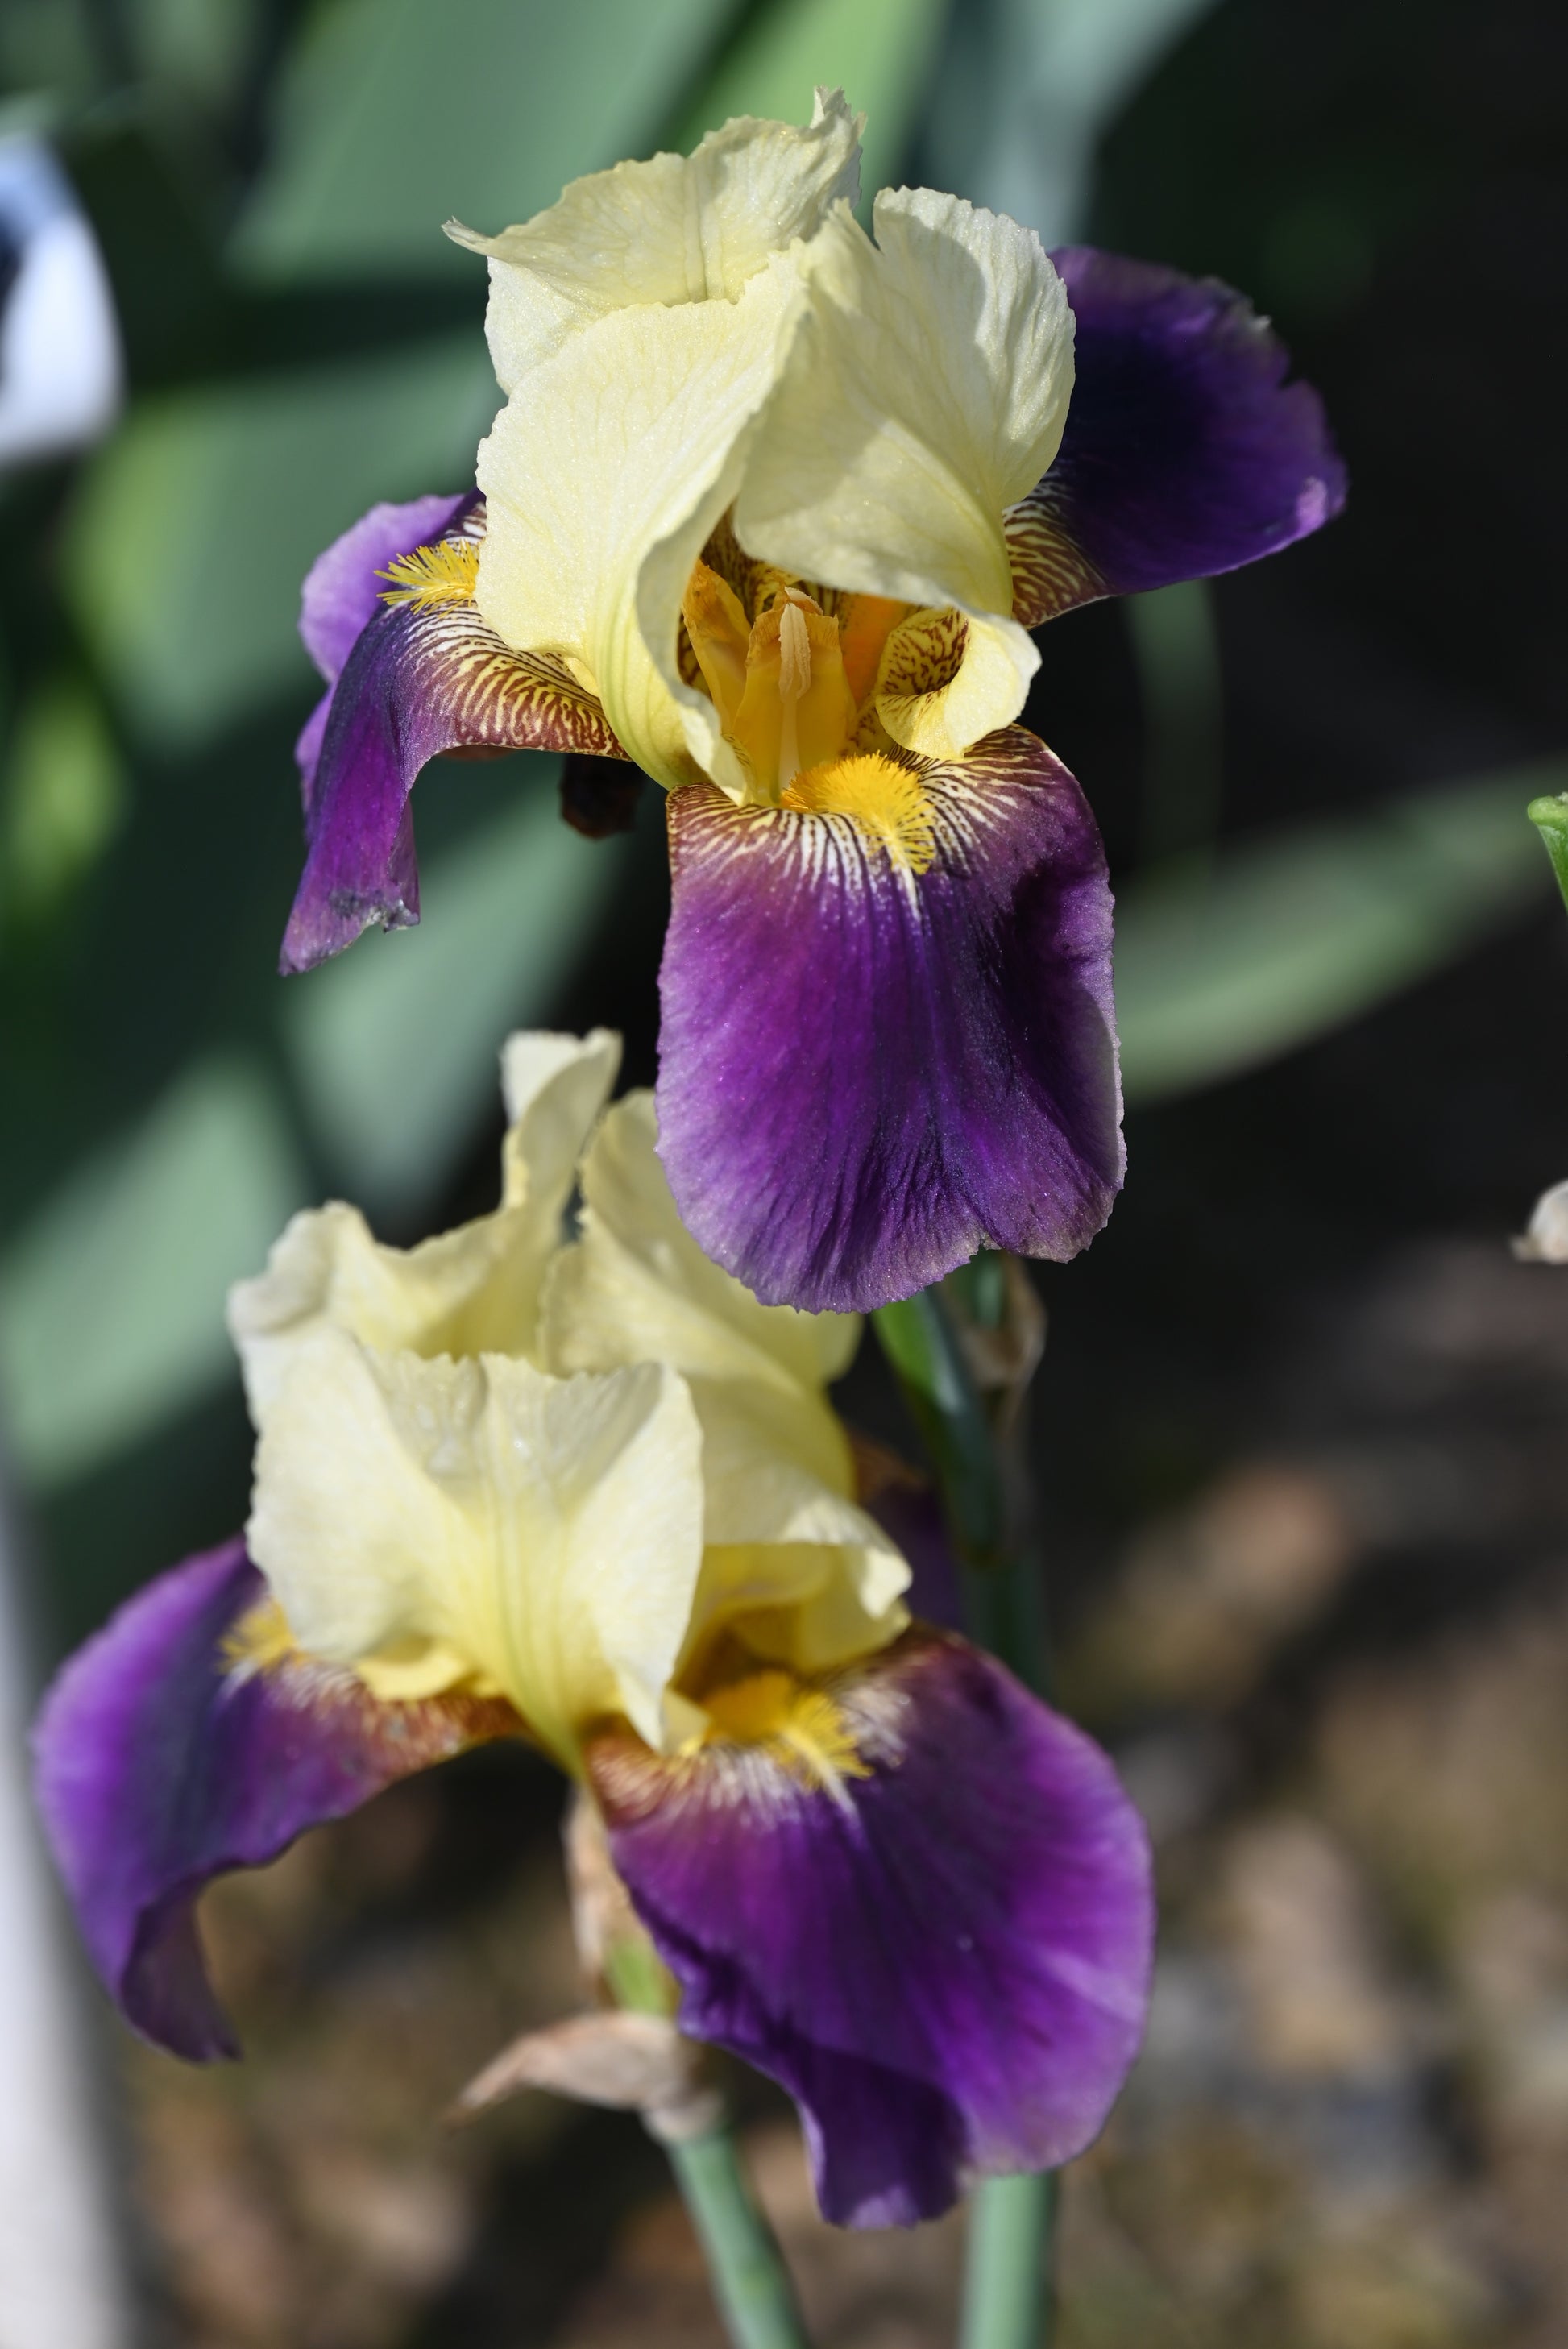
<point x="636" y="1286"/>
<point x="474" y="1288"/>
<point x="546" y="1531"/>
<point x="925" y="391"/>
<point x="605" y="474"/>
<point x="554" y="1088"/>
<point x="676" y="229"/>
<point x="785" y="1536"/>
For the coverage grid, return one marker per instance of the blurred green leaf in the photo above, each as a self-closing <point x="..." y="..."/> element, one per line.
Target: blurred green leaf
<point x="111" y="1302"/>
<point x="1218" y="970"/>
<point x="196" y="525"/>
<point x="1176" y="650"/>
<point x="1029" y="89"/>
<point x="398" y="114"/>
<point x="881" y="52"/>
<point x="395" y="1043"/>
<point x="200" y="48"/>
<point x="65" y="798"/>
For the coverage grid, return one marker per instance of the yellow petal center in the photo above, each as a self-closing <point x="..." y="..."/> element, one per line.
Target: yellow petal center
<point x="887" y="804"/>
<point x="790" y="685"/>
<point x="445" y="573"/>
<point x="800" y="1726"/>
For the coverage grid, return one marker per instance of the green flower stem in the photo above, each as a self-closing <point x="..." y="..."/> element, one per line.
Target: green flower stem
<point x="747" y="2275"/>
<point x="1550" y="815"/>
<point x="1007" y="2294"/>
<point x="1006" y="2300"/>
<point x="919" y="1341"/>
<point x="750" y="2282"/>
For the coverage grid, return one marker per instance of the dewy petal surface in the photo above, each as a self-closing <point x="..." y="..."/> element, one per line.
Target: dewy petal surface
<point x="422" y="676"/>
<point x="605" y="475"/>
<point x="164" y="1758"/>
<point x="925" y="394"/>
<point x="946" y="1960"/>
<point x="868" y="1069"/>
<point x="674" y="230"/>
<point x="1186" y="450"/>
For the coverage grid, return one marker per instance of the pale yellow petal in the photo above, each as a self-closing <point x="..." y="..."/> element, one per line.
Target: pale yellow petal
<point x="925" y="391"/>
<point x="946" y="681"/>
<point x="603" y="475"/>
<point x="345" y="1524"/>
<point x="554" y="1088"/>
<point x="811" y="1607"/>
<point x="636" y="1286"/>
<point x="676" y="229"/>
<point x="328" y="1269"/>
<point x="465" y="1291"/>
<point x="546" y="1531"/>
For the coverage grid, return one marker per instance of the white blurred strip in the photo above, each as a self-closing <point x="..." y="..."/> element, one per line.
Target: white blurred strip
<point x="60" y="370"/>
<point x="61" y="2285"/>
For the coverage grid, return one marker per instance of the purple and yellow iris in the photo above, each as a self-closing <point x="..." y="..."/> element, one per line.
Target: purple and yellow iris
<point x="771" y="510"/>
<point x="588" y="1494"/>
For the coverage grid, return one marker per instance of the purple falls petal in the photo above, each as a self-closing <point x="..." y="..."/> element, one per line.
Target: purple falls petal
<point x="1186" y="450"/>
<point x="161" y="1762"/>
<point x="342" y="592"/>
<point x="867" y="1072"/>
<point x="420" y="678"/>
<point x="343" y="587"/>
<point x="944" y="1961"/>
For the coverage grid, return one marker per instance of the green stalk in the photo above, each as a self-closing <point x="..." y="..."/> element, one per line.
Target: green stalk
<point x="919" y="1341"/>
<point x="746" y="2272"/>
<point x="749" y="2280"/>
<point x="1007" y="2290"/>
<point x="1550" y="815"/>
<point x="1006" y="2298"/>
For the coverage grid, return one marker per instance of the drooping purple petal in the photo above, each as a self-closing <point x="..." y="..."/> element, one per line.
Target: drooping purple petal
<point x="341" y="591"/>
<point x="945" y="1960"/>
<point x="867" y="1071"/>
<point x="343" y="587"/>
<point x="422" y="676"/>
<point x="1186" y="450"/>
<point x="165" y="1756"/>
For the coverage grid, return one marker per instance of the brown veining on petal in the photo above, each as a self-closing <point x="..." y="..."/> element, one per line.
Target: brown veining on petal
<point x="925" y="654"/>
<point x="1051" y="573"/>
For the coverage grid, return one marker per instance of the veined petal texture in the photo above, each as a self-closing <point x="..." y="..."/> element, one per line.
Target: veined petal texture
<point x="1187" y="450"/>
<point x="605" y="475"/>
<point x="887" y="1035"/>
<point x="173" y="1747"/>
<point x="924" y="393"/>
<point x="943" y="1952"/>
<point x="424" y="675"/>
<point x="675" y="229"/>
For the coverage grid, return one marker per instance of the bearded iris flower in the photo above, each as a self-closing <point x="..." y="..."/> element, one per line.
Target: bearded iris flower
<point x="590" y="1494"/>
<point x="770" y="510"/>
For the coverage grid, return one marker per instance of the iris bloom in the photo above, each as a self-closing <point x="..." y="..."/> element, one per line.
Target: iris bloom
<point x="590" y="1494"/>
<point x="770" y="510"/>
